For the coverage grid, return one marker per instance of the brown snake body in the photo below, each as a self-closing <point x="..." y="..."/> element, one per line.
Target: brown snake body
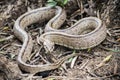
<point x="71" y="37"/>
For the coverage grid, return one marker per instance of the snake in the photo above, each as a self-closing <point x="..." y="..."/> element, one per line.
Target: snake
<point x="71" y="37"/>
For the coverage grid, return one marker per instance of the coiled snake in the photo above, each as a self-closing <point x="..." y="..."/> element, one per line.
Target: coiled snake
<point x="71" y="37"/>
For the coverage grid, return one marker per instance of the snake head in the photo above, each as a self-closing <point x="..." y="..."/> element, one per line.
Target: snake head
<point x="48" y="45"/>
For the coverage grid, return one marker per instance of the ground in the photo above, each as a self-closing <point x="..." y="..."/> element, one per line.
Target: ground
<point x="98" y="63"/>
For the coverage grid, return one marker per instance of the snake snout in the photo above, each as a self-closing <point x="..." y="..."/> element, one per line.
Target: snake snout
<point x="48" y="45"/>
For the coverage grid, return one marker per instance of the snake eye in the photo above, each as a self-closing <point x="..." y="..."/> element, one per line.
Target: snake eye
<point x="52" y="48"/>
<point x="46" y="49"/>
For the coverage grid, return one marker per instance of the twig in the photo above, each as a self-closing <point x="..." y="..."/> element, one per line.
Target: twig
<point x="3" y="33"/>
<point x="61" y="78"/>
<point x="5" y="46"/>
<point x="100" y="78"/>
<point x="73" y="62"/>
<point x="105" y="60"/>
<point x="109" y="49"/>
<point x="115" y="68"/>
<point x="7" y="38"/>
<point x="84" y="64"/>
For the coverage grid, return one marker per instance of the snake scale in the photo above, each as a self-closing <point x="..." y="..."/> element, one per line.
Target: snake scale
<point x="71" y="37"/>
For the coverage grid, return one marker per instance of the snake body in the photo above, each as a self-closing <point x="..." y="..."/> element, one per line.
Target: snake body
<point x="71" y="37"/>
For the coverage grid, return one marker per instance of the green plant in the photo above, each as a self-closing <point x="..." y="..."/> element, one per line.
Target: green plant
<point x="57" y="2"/>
